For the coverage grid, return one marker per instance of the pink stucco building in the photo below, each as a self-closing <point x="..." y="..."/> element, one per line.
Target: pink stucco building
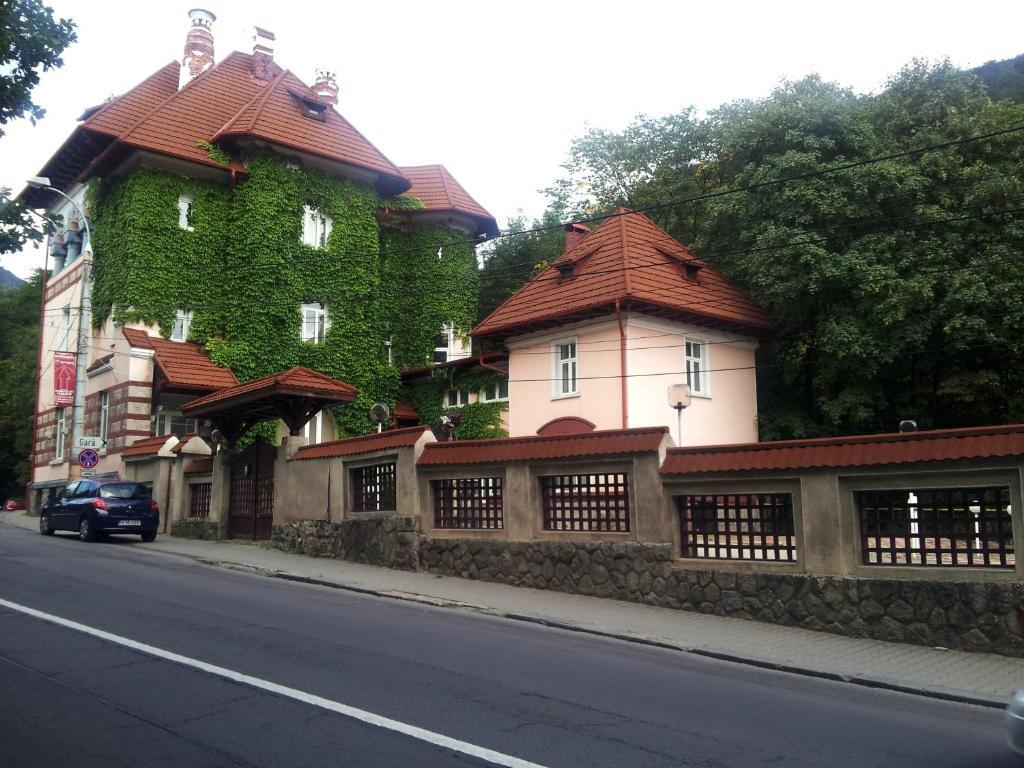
<point x="596" y="339"/>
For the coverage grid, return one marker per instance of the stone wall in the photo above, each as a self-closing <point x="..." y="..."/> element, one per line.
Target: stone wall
<point x="197" y="528"/>
<point x="394" y="541"/>
<point x="968" y="616"/>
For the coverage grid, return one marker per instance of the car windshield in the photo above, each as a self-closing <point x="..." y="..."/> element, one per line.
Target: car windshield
<point x="124" y="491"/>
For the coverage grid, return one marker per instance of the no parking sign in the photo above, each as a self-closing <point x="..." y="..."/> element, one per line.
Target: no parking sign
<point x="88" y="458"/>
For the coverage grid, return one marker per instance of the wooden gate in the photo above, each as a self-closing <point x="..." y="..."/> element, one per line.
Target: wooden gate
<point x="251" y="508"/>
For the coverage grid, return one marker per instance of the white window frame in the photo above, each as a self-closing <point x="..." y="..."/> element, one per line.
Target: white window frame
<point x="697" y="367"/>
<point x="316" y="320"/>
<point x="104" y="414"/>
<point x="461" y="397"/>
<point x="314" y="429"/>
<point x="64" y="328"/>
<point x="182" y="325"/>
<point x="62" y="425"/>
<point x="164" y="419"/>
<point x="316" y="227"/>
<point x="559" y="364"/>
<point x="389" y="350"/>
<point x="448" y="333"/>
<point x="485" y="393"/>
<point x="186" y="203"/>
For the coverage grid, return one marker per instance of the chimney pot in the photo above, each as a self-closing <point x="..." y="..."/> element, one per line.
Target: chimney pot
<point x="262" y="53"/>
<point x="198" y="46"/>
<point x="325" y="85"/>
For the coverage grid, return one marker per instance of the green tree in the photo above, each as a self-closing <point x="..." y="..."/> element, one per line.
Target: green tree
<point x="31" y="41"/>
<point x="19" y="317"/>
<point x="896" y="285"/>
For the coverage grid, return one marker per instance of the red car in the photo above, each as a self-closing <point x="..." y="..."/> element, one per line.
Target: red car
<point x="13" y="505"/>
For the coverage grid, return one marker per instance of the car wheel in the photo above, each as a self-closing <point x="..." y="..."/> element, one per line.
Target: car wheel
<point x="44" y="526"/>
<point x="86" y="531"/>
<point x="149" y="536"/>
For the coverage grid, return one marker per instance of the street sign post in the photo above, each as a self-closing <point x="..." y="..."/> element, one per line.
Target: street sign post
<point x="88" y="458"/>
<point x="89" y="441"/>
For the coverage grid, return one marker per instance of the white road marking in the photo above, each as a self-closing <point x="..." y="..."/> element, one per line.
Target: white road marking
<point x="438" y="739"/>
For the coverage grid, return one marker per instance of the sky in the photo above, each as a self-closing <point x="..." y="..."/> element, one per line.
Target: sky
<point x="497" y="91"/>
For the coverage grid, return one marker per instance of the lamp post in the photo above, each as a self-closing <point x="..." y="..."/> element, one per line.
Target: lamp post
<point x="679" y="398"/>
<point x="84" y="315"/>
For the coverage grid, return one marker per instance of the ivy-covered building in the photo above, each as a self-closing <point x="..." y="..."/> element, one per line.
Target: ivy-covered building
<point x="236" y="225"/>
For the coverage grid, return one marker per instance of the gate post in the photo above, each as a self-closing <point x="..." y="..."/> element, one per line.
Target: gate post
<point x="220" y="491"/>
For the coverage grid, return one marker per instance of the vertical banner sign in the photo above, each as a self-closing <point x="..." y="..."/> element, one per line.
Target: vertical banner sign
<point x="64" y="378"/>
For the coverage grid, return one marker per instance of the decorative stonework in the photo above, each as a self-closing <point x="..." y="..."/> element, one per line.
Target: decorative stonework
<point x="197" y="528"/>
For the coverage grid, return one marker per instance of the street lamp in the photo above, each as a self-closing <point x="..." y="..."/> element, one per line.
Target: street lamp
<point x="679" y="398"/>
<point x="84" y="315"/>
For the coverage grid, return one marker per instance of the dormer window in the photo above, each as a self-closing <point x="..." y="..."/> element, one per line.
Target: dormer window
<point x="691" y="270"/>
<point x="311" y="108"/>
<point x="182" y="324"/>
<point x="185" y="214"/>
<point x="316" y="227"/>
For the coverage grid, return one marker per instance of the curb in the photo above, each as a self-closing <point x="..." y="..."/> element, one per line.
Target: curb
<point x="868" y="681"/>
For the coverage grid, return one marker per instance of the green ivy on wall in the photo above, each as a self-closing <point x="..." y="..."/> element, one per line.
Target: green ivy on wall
<point x="245" y="273"/>
<point x="477" y="420"/>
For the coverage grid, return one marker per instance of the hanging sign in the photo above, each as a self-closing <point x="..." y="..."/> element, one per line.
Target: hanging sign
<point x="64" y="378"/>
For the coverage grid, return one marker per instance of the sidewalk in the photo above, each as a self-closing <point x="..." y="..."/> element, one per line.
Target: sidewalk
<point x="978" y="678"/>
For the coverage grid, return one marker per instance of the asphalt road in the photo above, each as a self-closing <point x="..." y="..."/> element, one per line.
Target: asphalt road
<point x="542" y="695"/>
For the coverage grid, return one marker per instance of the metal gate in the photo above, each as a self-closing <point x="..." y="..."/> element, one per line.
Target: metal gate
<point x="251" y="507"/>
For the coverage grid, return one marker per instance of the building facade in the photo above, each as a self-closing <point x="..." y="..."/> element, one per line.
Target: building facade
<point x="227" y="222"/>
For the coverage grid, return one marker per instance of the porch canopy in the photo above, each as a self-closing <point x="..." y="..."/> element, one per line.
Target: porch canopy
<point x="294" y="396"/>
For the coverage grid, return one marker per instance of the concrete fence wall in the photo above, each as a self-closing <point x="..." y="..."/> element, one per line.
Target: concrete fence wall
<point x="827" y="585"/>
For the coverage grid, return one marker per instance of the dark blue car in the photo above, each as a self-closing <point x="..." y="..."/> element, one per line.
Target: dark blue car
<point x="95" y="509"/>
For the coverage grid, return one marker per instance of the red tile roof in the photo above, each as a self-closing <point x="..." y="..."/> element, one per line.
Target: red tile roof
<point x="183" y="364"/>
<point x="295" y="381"/>
<point x="404" y="410"/>
<point x="145" y="446"/>
<point x="227" y="101"/>
<point x="852" y="451"/>
<point x="199" y="466"/>
<point x="496" y="359"/>
<point x="352" y="446"/>
<point x="628" y="258"/>
<point x="440" y="192"/>
<point x="610" y="442"/>
<point x="99" y="362"/>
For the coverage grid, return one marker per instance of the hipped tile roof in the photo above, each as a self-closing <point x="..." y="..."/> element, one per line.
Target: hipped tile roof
<point x="297" y="380"/>
<point x="352" y="446"/>
<point x="228" y="102"/>
<point x="439" y="192"/>
<point x="183" y="364"/>
<point x="145" y="446"/>
<point x="630" y="259"/>
<point x="613" y="442"/>
<point x="853" y="451"/>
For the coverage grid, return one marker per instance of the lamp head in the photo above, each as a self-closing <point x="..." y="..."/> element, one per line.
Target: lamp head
<point x="39" y="182"/>
<point x="679" y="396"/>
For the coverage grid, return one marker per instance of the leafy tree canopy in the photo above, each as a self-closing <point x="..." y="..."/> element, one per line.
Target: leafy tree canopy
<point x="896" y="285"/>
<point x="31" y="41"/>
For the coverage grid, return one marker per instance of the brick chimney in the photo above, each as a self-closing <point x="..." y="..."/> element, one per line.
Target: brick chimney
<point x="198" y="46"/>
<point x="573" y="234"/>
<point x="326" y="85"/>
<point x="262" y="53"/>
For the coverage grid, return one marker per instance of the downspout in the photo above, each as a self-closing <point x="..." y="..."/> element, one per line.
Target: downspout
<point x="488" y="366"/>
<point x="622" y="364"/>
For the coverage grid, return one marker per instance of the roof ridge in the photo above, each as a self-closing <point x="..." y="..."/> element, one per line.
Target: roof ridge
<point x="105" y="105"/>
<point x="261" y="98"/>
<point x="127" y="131"/>
<point x="624" y="235"/>
<point x="444" y="182"/>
